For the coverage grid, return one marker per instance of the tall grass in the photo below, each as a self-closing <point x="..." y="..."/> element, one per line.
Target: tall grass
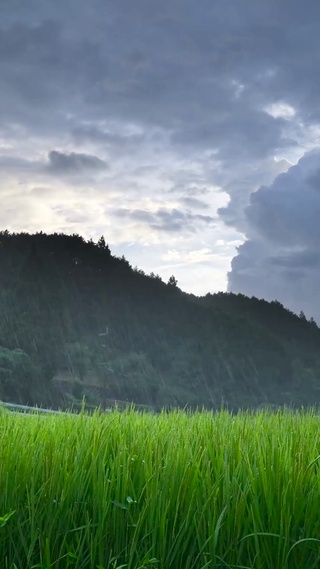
<point x="174" y="491"/>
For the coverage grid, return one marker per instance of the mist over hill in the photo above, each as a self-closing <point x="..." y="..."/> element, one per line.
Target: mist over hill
<point x="77" y="321"/>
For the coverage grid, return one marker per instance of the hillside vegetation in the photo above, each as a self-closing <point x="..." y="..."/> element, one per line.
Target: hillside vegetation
<point x="75" y="320"/>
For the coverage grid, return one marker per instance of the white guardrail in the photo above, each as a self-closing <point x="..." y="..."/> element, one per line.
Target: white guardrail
<point x="15" y="408"/>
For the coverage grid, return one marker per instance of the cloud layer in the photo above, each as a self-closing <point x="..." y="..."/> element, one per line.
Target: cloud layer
<point x="157" y="123"/>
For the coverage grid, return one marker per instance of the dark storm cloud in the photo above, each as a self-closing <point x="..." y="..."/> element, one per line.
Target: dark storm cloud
<point x="172" y="66"/>
<point x="57" y="164"/>
<point x="73" y="163"/>
<point x="172" y="220"/>
<point x="281" y="258"/>
<point x="288" y="211"/>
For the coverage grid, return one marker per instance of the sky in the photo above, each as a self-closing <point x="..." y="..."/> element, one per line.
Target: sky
<point x="187" y="133"/>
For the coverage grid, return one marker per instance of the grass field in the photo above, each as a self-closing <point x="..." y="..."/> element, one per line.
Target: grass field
<point x="170" y="491"/>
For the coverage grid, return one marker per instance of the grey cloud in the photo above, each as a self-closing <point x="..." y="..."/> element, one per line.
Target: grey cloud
<point x="241" y="129"/>
<point x="281" y="257"/>
<point x="137" y="214"/>
<point x="241" y="188"/>
<point x="176" y="220"/>
<point x="57" y="164"/>
<point x="288" y="211"/>
<point x="188" y="183"/>
<point x="294" y="260"/>
<point x="74" y="68"/>
<point x="172" y="220"/>
<point x="74" y="163"/>
<point x="194" y="203"/>
<point x="98" y="62"/>
<point x="120" y="143"/>
<point x="314" y="180"/>
<point x="16" y="164"/>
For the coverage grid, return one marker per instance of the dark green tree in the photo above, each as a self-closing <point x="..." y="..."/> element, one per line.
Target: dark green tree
<point x="172" y="281"/>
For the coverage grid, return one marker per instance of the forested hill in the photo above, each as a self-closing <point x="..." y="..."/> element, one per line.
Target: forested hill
<point x="75" y="320"/>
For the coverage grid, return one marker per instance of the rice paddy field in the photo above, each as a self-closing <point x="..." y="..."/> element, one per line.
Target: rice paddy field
<point x="170" y="491"/>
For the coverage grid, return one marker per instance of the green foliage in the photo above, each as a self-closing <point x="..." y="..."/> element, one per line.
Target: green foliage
<point x="60" y="294"/>
<point x="78" y="358"/>
<point x="17" y="373"/>
<point x="3" y="409"/>
<point x="172" y="491"/>
<point x="172" y="281"/>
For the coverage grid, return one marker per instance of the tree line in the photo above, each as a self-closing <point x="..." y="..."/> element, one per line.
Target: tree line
<point x="77" y="321"/>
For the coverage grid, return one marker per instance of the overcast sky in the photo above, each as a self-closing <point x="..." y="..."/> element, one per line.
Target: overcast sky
<point x="187" y="132"/>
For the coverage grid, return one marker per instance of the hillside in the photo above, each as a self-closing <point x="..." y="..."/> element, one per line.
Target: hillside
<point x="75" y="320"/>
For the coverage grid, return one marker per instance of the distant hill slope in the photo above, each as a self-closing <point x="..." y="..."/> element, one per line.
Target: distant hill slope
<point x="70" y="309"/>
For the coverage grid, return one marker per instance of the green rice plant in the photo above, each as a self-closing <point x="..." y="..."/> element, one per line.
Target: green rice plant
<point x="3" y="409"/>
<point x="171" y="491"/>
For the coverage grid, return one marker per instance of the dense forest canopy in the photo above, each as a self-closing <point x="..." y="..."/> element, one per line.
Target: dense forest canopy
<point x="77" y="321"/>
